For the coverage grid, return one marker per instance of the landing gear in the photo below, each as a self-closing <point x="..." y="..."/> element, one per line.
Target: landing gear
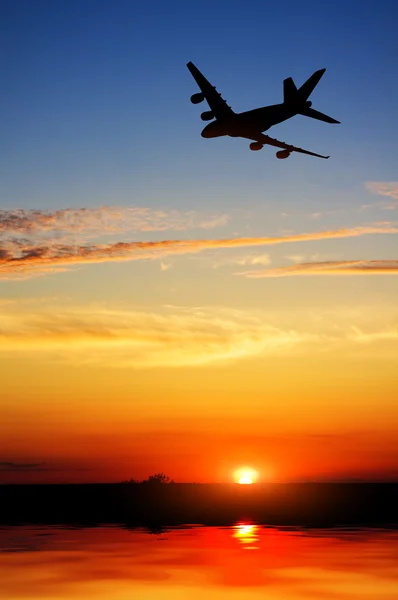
<point x="256" y="146"/>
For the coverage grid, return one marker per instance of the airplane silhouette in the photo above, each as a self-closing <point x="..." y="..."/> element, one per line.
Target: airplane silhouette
<point x="252" y="123"/>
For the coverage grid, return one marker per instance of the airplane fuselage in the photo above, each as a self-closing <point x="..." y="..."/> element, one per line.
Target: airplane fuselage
<point x="258" y="119"/>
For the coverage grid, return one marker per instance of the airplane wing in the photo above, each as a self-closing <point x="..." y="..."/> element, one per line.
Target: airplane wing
<point x="265" y="139"/>
<point x="216" y="102"/>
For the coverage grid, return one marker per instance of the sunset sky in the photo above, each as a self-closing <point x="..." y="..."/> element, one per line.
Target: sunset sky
<point x="170" y="303"/>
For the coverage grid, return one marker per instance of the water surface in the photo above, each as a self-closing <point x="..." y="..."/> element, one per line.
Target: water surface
<point x="241" y="562"/>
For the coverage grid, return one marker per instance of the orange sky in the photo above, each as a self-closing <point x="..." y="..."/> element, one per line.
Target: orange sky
<point x="180" y="304"/>
<point x="273" y="344"/>
<point x="309" y="411"/>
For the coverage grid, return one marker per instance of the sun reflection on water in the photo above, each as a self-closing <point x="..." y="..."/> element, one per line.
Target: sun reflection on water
<point x="247" y="534"/>
<point x="100" y="563"/>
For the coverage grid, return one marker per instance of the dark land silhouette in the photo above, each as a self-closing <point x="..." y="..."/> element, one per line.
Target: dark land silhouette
<point x="156" y="505"/>
<point x="251" y="124"/>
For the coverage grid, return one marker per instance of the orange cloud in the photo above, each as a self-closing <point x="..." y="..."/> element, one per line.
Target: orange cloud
<point x="139" y="339"/>
<point x="22" y="256"/>
<point x="104" y="219"/>
<point x="178" y="336"/>
<point x="384" y="188"/>
<point x="342" y="267"/>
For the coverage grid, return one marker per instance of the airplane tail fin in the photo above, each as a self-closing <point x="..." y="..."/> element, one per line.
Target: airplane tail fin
<point x="308" y="87"/>
<point x="289" y="91"/>
<point x="315" y="114"/>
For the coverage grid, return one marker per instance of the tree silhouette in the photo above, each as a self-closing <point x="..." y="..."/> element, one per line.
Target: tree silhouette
<point x="156" y="479"/>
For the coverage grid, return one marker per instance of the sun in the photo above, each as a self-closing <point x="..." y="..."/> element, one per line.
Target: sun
<point x="245" y="479"/>
<point x="245" y="476"/>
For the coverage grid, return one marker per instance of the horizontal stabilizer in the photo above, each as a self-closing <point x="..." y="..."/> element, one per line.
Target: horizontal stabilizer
<point x="315" y="114"/>
<point x="308" y="87"/>
<point x="289" y="91"/>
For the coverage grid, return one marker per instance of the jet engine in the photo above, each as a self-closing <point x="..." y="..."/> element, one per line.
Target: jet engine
<point x="207" y="116"/>
<point x="256" y="146"/>
<point x="283" y="154"/>
<point x="197" y="98"/>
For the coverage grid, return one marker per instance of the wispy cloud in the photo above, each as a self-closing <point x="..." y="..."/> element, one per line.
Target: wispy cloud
<point x="245" y="260"/>
<point x="36" y="467"/>
<point x="105" y="220"/>
<point x="318" y="257"/>
<point x="342" y="267"/>
<point x="296" y="258"/>
<point x="25" y="257"/>
<point x="19" y="467"/>
<point x="123" y="337"/>
<point x="383" y="188"/>
<point x="179" y="336"/>
<point x="165" y="266"/>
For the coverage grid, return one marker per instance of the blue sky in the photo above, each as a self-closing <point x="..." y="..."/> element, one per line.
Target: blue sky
<point x="96" y="112"/>
<point x="96" y="105"/>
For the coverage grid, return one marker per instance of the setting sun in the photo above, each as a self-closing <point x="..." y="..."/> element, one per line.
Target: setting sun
<point x="245" y="479"/>
<point x="245" y="476"/>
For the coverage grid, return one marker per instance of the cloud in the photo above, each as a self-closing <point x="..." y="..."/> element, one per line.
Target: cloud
<point x="260" y="259"/>
<point x="383" y="188"/>
<point x="13" y="466"/>
<point x="104" y="220"/>
<point x="318" y="257"/>
<point x="296" y="258"/>
<point x="24" y="257"/>
<point x="42" y="467"/>
<point x="179" y="336"/>
<point x="249" y="259"/>
<point x="122" y="337"/>
<point x="342" y="267"/>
